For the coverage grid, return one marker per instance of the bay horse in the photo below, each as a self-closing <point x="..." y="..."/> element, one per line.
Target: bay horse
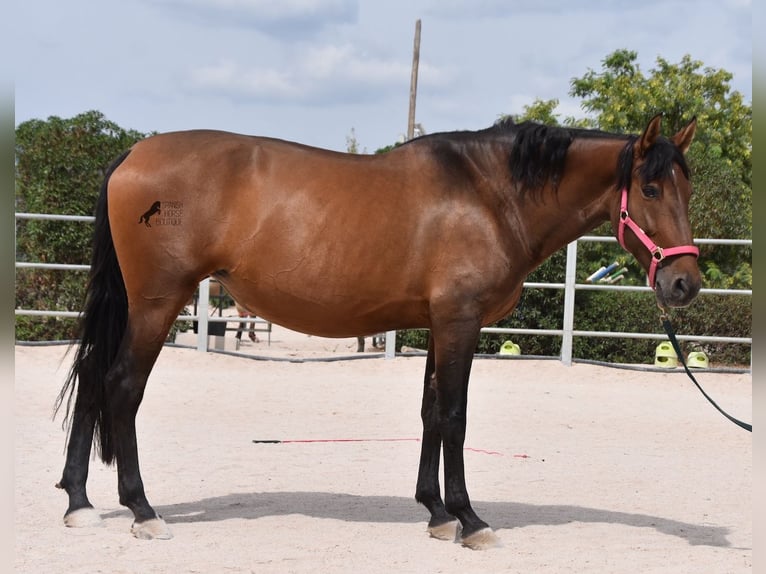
<point x="293" y="233"/>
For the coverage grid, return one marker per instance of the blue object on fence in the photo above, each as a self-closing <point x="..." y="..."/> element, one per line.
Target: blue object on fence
<point x="602" y="272"/>
<point x="597" y="274"/>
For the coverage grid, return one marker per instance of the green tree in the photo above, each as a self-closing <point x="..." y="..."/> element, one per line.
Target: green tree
<point x="623" y="98"/>
<point x="544" y="112"/>
<point x="352" y="144"/>
<point x="60" y="164"/>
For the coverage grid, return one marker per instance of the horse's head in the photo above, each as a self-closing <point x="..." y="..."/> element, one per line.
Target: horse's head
<point x="652" y="221"/>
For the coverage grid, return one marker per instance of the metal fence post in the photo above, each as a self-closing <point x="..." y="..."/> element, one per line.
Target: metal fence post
<point x="202" y="313"/>
<point x="569" y="301"/>
<point x="390" y="344"/>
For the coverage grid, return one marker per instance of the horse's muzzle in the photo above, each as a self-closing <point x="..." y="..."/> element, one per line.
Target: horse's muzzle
<point x="677" y="284"/>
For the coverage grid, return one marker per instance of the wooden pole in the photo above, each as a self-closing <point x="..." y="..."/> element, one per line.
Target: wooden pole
<point x="414" y="82"/>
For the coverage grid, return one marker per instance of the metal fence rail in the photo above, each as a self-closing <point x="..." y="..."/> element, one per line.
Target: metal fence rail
<point x="570" y="287"/>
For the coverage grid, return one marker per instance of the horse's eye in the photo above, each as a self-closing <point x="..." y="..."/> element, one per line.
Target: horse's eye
<point x="650" y="192"/>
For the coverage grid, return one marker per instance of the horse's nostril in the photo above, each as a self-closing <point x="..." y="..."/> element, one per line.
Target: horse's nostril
<point x="683" y="290"/>
<point x="680" y="287"/>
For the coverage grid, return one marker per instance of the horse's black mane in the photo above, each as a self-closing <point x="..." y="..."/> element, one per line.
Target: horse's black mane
<point x="538" y="154"/>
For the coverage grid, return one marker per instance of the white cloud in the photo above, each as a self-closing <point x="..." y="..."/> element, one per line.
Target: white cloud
<point x="313" y="73"/>
<point x="228" y="77"/>
<point x="279" y="18"/>
<point x="511" y="9"/>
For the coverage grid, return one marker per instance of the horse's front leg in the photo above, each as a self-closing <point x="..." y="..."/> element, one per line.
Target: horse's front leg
<point x="454" y="345"/>
<point x="442" y="525"/>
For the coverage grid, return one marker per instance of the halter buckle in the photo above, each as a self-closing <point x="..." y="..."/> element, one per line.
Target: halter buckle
<point x="657" y="254"/>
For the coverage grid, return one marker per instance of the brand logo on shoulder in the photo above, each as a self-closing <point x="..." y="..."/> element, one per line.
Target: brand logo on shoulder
<point x="166" y="212"/>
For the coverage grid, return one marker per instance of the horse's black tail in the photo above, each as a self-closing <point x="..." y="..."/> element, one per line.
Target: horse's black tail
<point x="102" y="328"/>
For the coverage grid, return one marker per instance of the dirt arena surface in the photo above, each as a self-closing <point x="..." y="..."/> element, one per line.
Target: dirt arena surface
<point x="578" y="469"/>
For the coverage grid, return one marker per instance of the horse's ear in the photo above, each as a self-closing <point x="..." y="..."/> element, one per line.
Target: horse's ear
<point x="650" y="135"/>
<point x="684" y="137"/>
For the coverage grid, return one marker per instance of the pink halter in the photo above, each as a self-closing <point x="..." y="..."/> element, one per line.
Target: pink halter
<point x="658" y="253"/>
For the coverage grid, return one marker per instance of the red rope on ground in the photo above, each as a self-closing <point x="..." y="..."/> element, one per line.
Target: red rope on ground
<point x="482" y="451"/>
<point x="332" y="440"/>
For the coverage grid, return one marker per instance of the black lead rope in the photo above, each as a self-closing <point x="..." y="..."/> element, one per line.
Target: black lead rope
<point x="677" y="348"/>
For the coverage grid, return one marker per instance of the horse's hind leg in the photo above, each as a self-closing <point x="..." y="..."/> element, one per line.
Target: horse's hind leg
<point x="123" y="389"/>
<point x="442" y="525"/>
<point x="147" y="329"/>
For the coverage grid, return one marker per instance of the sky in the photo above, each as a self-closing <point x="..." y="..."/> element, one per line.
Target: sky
<point x="314" y="70"/>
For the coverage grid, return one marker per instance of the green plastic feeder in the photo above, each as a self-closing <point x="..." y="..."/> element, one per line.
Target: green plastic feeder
<point x="697" y="359"/>
<point x="665" y="356"/>
<point x="509" y="348"/>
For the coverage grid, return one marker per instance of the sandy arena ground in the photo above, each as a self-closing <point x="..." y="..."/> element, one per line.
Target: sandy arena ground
<point x="578" y="469"/>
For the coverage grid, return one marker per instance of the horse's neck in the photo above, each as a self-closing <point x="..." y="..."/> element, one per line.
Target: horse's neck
<point x="585" y="198"/>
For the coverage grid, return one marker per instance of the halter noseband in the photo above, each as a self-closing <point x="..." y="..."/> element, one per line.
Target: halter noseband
<point x="658" y="253"/>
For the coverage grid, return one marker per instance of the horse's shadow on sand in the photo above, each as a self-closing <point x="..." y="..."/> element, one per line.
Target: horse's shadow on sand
<point x="394" y="509"/>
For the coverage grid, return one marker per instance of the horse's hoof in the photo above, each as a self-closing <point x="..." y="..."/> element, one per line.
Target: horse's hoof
<point x="151" y="530"/>
<point x="483" y="539"/>
<point x="445" y="531"/>
<point x="82" y="518"/>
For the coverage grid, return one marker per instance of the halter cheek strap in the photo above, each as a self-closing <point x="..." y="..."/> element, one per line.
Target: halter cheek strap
<point x="658" y="253"/>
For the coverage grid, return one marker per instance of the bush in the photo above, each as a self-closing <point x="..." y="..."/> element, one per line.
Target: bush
<point x="711" y="315"/>
<point x="60" y="164"/>
<point x="30" y="328"/>
<point x="51" y="290"/>
<point x="412" y="338"/>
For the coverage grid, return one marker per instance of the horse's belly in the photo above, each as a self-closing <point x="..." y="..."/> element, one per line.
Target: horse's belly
<point x="327" y="308"/>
